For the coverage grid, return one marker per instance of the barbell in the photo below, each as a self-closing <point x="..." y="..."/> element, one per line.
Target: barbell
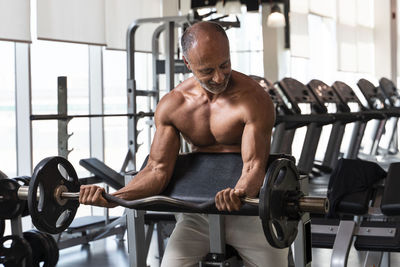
<point x="53" y="193"/>
<point x="140" y="114"/>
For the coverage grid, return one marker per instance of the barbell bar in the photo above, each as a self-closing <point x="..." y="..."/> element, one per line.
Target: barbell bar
<point x="140" y="114"/>
<point x="53" y="194"/>
<point x="317" y="205"/>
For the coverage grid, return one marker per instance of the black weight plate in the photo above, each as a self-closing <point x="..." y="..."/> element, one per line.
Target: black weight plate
<point x="45" y="211"/>
<point x="3" y="175"/>
<point x="14" y="251"/>
<point x="281" y="178"/>
<point x="53" y="250"/>
<point x="10" y="205"/>
<point x="22" y="180"/>
<point x="2" y="227"/>
<point x="38" y="245"/>
<point x="47" y="252"/>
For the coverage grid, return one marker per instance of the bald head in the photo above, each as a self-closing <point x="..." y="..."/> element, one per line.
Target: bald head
<point x="203" y="29"/>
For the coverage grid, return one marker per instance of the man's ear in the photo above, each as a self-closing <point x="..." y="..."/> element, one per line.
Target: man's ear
<point x="186" y="63"/>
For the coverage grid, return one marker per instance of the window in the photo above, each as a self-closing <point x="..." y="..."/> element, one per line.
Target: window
<point x="246" y="44"/>
<point x="115" y="101"/>
<point x="8" y="157"/>
<point x="49" y="61"/>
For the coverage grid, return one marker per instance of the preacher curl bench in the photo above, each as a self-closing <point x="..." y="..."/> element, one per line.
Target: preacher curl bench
<point x="53" y="193"/>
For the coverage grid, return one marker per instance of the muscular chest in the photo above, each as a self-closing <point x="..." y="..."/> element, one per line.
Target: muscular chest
<point x="211" y="124"/>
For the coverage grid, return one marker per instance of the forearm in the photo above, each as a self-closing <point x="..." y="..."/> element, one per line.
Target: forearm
<point x="251" y="179"/>
<point x="148" y="182"/>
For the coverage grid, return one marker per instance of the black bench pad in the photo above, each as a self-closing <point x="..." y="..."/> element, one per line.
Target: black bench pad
<point x="198" y="177"/>
<point x="390" y="204"/>
<point x="99" y="169"/>
<point x="351" y="185"/>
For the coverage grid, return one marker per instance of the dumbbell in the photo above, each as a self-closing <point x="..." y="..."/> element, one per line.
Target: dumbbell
<point x="53" y="194"/>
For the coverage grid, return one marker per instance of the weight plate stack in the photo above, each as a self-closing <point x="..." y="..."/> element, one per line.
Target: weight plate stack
<point x="10" y="205"/>
<point x="15" y="251"/>
<point x="43" y="249"/>
<point x="54" y="251"/>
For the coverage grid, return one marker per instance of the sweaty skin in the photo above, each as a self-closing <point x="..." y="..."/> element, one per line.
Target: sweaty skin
<point x="216" y="110"/>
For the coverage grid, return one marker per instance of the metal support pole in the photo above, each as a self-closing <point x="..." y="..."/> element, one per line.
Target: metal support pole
<point x="282" y="139"/>
<point x="16" y="226"/>
<point x="96" y="101"/>
<point x="286" y="10"/>
<point x="356" y="138"/>
<point x="311" y="140"/>
<point x="23" y="108"/>
<point x="217" y="233"/>
<point x="136" y="235"/>
<point x="62" y="109"/>
<point x="377" y="137"/>
<point x="333" y="149"/>
<point x="341" y="247"/>
<point x="302" y="243"/>
<point x="169" y="55"/>
<point x="393" y="40"/>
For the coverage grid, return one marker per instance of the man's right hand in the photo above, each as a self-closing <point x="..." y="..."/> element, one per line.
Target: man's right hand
<point x="92" y="195"/>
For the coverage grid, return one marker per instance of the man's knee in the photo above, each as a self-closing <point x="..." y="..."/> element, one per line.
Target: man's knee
<point x="189" y="242"/>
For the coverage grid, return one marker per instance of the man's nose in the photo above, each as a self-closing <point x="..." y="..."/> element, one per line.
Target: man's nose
<point x="218" y="77"/>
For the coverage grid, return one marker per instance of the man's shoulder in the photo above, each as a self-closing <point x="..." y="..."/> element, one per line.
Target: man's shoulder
<point x="175" y="98"/>
<point x="253" y="98"/>
<point x="248" y="87"/>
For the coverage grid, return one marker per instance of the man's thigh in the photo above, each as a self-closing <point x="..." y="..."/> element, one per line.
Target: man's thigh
<point x="189" y="242"/>
<point x="246" y="235"/>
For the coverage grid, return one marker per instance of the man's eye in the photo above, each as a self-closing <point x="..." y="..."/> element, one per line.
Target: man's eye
<point x="207" y="71"/>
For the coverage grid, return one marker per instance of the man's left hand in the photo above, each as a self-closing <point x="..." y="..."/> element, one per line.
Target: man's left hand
<point x="229" y="199"/>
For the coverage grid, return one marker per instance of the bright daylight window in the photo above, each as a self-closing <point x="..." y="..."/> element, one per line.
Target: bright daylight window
<point x="8" y="157"/>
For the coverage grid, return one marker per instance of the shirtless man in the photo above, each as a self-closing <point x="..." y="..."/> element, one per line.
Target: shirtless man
<point x="216" y="110"/>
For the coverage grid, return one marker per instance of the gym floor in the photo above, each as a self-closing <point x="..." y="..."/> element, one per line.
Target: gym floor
<point x="111" y="252"/>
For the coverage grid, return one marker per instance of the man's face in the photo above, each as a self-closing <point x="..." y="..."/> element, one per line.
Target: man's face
<point x="210" y="63"/>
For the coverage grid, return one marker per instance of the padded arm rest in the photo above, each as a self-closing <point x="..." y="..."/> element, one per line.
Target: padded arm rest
<point x="390" y="204"/>
<point x="198" y="177"/>
<point x="99" y="169"/>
